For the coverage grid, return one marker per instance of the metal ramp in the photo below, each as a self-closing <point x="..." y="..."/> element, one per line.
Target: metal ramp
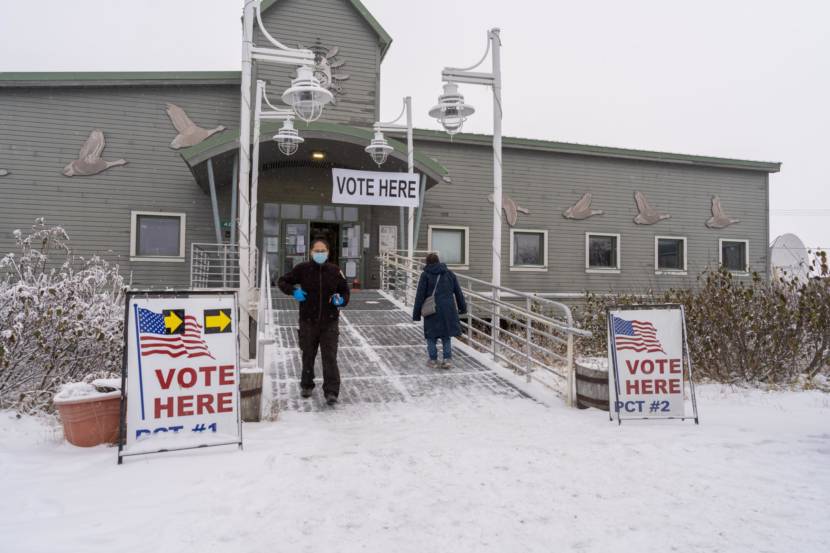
<point x="382" y="359"/>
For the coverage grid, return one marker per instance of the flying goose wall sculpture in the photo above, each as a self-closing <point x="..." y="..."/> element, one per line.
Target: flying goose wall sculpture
<point x="647" y="215"/>
<point x="190" y="133"/>
<point x="510" y="208"/>
<point x="89" y="161"/>
<point x="719" y="218"/>
<point x="581" y="209"/>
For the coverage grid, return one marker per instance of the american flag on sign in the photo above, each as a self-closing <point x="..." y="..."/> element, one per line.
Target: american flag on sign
<point x="636" y="336"/>
<point x="156" y="340"/>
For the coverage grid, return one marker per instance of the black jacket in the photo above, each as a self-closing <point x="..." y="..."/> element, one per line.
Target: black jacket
<point x="449" y="302"/>
<point x="321" y="282"/>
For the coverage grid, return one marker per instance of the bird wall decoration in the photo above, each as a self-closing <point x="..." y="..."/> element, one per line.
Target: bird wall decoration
<point x="647" y="215"/>
<point x="719" y="218"/>
<point x="582" y="209"/>
<point x="190" y="133"/>
<point x="510" y="208"/>
<point x="89" y="161"/>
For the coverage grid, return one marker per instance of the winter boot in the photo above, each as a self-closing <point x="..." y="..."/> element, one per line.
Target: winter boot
<point x="331" y="399"/>
<point x="446" y="364"/>
<point x="433" y="364"/>
<point x="306" y="392"/>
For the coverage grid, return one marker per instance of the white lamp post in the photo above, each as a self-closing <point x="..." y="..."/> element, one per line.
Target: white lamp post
<point x="307" y="99"/>
<point x="451" y="112"/>
<point x="379" y="149"/>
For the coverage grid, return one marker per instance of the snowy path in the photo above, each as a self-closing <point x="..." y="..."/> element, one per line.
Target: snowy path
<point x="382" y="359"/>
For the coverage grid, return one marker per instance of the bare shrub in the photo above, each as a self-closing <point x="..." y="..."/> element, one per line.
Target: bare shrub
<point x="61" y="318"/>
<point x="738" y="331"/>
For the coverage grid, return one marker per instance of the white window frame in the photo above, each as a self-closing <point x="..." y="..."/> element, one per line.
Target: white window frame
<point x="678" y="272"/>
<point x="600" y="270"/>
<point x="746" y="255"/>
<point x="530" y="268"/>
<point x="464" y="266"/>
<point x="159" y="258"/>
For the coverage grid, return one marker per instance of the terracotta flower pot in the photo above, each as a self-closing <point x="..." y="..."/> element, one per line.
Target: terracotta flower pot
<point x="90" y="421"/>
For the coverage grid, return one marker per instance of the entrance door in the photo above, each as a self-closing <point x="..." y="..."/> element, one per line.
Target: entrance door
<point x="330" y="232"/>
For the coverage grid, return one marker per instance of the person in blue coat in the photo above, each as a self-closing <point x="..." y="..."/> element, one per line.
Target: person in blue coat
<point x="449" y="303"/>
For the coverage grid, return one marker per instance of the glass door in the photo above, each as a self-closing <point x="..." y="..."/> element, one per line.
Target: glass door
<point x="351" y="252"/>
<point x="296" y="245"/>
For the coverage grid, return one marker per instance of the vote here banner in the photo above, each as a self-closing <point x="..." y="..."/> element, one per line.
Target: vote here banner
<point x="375" y="188"/>
<point x="645" y="359"/>
<point x="181" y="372"/>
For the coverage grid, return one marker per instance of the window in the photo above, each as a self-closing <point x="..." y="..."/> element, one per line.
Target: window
<point x="669" y="254"/>
<point x="734" y="255"/>
<point x="311" y="211"/>
<point x="528" y="250"/>
<point x="451" y="244"/>
<point x="349" y="214"/>
<point x="157" y="236"/>
<point x="602" y="253"/>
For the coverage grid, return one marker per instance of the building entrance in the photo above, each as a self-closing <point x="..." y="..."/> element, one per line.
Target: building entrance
<point x="289" y="229"/>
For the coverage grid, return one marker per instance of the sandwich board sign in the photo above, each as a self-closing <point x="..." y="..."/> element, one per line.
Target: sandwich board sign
<point x="649" y="363"/>
<point x="180" y="376"/>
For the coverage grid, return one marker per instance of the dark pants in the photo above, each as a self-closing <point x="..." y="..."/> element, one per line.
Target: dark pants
<point x="324" y="336"/>
<point x="432" y="347"/>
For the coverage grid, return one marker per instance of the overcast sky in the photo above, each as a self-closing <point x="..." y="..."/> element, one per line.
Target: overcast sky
<point x="744" y="79"/>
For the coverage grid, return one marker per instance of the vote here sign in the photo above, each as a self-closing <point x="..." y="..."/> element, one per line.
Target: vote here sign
<point x="645" y="356"/>
<point x="181" y="372"/>
<point x="375" y="188"/>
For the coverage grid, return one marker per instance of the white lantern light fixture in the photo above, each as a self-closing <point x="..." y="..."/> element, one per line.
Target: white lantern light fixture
<point x="451" y="111"/>
<point x="288" y="139"/>
<point x="306" y="96"/>
<point x="379" y="148"/>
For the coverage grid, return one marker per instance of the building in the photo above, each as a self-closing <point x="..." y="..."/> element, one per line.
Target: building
<point x="650" y="220"/>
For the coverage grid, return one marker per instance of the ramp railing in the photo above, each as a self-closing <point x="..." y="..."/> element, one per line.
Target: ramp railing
<point x="531" y="335"/>
<point x="215" y="265"/>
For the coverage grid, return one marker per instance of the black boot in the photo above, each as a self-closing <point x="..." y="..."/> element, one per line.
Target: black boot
<point x="306" y="392"/>
<point x="331" y="399"/>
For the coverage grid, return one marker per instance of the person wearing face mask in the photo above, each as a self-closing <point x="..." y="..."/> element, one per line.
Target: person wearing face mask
<point x="321" y="290"/>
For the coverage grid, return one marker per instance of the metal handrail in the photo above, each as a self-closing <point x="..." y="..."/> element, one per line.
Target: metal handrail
<point x="216" y="265"/>
<point x="536" y="329"/>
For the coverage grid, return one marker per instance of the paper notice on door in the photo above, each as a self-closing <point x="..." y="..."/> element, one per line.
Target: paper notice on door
<point x="345" y="252"/>
<point x="366" y="237"/>
<point x="351" y="269"/>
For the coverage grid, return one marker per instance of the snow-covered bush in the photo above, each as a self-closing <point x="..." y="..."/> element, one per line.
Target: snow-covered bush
<point x="61" y="318"/>
<point x="756" y="331"/>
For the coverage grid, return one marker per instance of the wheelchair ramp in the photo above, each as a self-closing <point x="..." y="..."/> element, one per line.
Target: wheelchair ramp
<point x="382" y="359"/>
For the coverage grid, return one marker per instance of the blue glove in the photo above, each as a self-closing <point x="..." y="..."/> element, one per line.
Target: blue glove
<point x="300" y="294"/>
<point x="337" y="300"/>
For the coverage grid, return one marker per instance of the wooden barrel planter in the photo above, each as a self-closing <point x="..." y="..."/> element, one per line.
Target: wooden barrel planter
<point x="591" y="388"/>
<point x="250" y="394"/>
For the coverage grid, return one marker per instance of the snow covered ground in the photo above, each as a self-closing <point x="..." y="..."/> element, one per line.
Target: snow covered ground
<point x="487" y="474"/>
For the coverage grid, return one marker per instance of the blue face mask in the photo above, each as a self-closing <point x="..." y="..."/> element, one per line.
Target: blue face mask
<point x="320" y="257"/>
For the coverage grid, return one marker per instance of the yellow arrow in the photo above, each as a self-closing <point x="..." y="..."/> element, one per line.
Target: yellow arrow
<point x="172" y="322"/>
<point x="220" y="321"/>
